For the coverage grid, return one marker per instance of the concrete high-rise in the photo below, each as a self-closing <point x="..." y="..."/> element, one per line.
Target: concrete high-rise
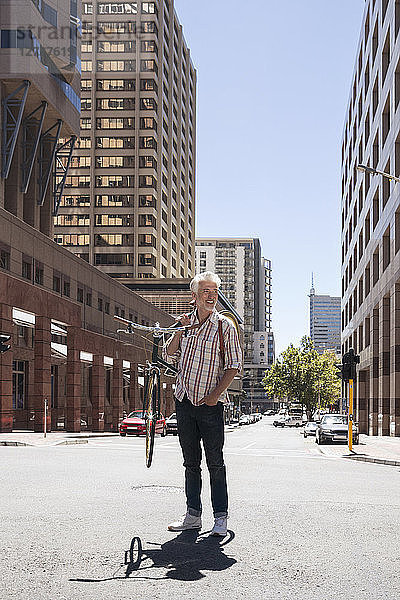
<point x="246" y="282"/>
<point x="129" y="204"/>
<point x="371" y="220"/>
<point x="325" y="327"/>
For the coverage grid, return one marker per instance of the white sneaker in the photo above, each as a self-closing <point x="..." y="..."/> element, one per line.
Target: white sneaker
<point x="220" y="526"/>
<point x="188" y="521"/>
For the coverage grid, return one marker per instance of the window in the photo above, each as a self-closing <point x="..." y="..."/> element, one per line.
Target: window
<point x="77" y="181"/>
<point x="147" y="181"/>
<point x="19" y="384"/>
<point x="27" y="268"/>
<point x="115" y="142"/>
<point x="114" y="200"/>
<point x="66" y="288"/>
<point x="148" y="123"/>
<point x="5" y="259"/>
<point x="147" y="221"/>
<point x="148" y="46"/>
<point x="116" y="65"/>
<point x="146" y="260"/>
<point x="75" y="201"/>
<point x="148" y="104"/>
<point x="115" y="103"/>
<point x="39" y="273"/>
<point x="114" y="259"/>
<point x="147" y="142"/>
<point x="116" y="27"/>
<point x="148" y="27"/>
<point x="86" y="123"/>
<point x="79" y="294"/>
<point x="112" y="85"/>
<point x="72" y="239"/>
<point x="113" y="220"/>
<point x="147" y="239"/>
<point x="148" y="85"/>
<point x="128" y="46"/>
<point x="147" y="162"/>
<point x="86" y="85"/>
<point x="115" y="162"/>
<point x="147" y="201"/>
<point x="117" y="8"/>
<point x="115" y="123"/>
<point x="113" y="239"/>
<point x="70" y="220"/>
<point x="86" y="66"/>
<point x="114" y="181"/>
<point x="149" y="8"/>
<point x="56" y="283"/>
<point x="148" y="65"/>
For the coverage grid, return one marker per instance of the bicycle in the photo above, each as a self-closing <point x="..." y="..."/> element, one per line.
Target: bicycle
<point x="152" y="392"/>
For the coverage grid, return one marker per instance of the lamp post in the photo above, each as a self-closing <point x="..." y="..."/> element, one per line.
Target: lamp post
<point x="365" y="169"/>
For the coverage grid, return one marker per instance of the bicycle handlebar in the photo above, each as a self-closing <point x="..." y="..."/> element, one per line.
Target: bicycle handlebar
<point x="155" y="329"/>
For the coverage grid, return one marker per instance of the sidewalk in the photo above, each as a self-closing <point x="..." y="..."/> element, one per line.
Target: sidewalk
<point x="56" y="438"/>
<point x="383" y="450"/>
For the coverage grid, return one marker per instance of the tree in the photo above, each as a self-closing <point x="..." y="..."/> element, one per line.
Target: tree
<point x="303" y="375"/>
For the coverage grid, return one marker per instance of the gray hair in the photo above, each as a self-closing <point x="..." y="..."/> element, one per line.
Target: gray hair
<point x="206" y="276"/>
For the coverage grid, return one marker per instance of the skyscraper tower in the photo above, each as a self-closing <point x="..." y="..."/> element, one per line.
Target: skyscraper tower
<point x="246" y="282"/>
<point x="128" y="205"/>
<point x="324" y="321"/>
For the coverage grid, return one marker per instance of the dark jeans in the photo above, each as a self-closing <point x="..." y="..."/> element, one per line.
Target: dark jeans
<point x="205" y="423"/>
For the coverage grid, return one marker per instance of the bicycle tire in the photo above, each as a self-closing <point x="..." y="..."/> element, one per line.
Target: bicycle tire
<point x="151" y="417"/>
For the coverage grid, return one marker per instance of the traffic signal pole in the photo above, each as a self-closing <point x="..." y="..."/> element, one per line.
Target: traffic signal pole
<point x="350" y="436"/>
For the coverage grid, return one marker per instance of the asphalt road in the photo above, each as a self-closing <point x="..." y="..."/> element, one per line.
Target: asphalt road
<point x="302" y="525"/>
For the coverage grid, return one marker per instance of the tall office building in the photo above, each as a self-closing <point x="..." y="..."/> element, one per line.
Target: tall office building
<point x="129" y="205"/>
<point x="246" y="282"/>
<point x="57" y="310"/>
<point x="371" y="220"/>
<point x="325" y="326"/>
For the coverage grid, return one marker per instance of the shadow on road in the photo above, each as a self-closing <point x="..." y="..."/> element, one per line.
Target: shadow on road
<point x="184" y="557"/>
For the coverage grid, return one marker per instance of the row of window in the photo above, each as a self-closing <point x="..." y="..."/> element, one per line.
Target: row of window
<point x="118" y="104"/>
<point x="119" y="46"/>
<point x="115" y="142"/>
<point x="118" y="123"/>
<point x="119" y="8"/>
<point x="126" y="181"/>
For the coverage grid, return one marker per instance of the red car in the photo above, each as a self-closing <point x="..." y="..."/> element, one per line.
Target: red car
<point x="134" y="424"/>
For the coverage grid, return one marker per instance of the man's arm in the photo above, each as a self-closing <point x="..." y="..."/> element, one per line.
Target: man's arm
<point x="173" y="343"/>
<point x="212" y="398"/>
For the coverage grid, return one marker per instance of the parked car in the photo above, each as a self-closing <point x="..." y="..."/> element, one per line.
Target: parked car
<point x="256" y="417"/>
<point x="134" y="424"/>
<point x="172" y="424"/>
<point x="244" y="420"/>
<point x="280" y="421"/>
<point x="310" y="428"/>
<point x="334" y="428"/>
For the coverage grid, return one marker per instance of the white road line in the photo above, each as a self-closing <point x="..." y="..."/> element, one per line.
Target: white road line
<point x="249" y="446"/>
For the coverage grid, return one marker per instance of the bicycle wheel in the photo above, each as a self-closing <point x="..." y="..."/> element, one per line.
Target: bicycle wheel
<point x="151" y="416"/>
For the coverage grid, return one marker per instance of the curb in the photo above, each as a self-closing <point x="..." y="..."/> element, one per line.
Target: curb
<point x="11" y="443"/>
<point x="370" y="459"/>
<point x="61" y="443"/>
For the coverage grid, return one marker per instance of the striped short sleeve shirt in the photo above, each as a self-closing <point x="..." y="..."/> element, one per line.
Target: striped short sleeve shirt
<point x="199" y="360"/>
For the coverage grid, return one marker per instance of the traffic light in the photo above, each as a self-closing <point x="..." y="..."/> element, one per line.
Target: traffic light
<point x="3" y="345"/>
<point x="348" y="367"/>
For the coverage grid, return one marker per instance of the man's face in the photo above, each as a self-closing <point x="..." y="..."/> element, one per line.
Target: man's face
<point x="207" y="295"/>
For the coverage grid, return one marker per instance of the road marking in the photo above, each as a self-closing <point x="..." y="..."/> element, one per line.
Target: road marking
<point x="249" y="446"/>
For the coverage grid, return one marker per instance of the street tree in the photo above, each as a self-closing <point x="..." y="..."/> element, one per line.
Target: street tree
<point x="302" y="375"/>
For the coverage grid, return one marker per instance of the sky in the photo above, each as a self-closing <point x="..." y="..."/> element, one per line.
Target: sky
<point x="273" y="84"/>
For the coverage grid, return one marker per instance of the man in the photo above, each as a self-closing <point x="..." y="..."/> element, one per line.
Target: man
<point x="208" y="356"/>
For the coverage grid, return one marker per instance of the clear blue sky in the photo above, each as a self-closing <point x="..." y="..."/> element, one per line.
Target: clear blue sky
<point x="273" y="84"/>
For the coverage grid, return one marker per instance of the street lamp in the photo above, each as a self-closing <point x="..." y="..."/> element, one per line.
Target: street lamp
<point x="365" y="169"/>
